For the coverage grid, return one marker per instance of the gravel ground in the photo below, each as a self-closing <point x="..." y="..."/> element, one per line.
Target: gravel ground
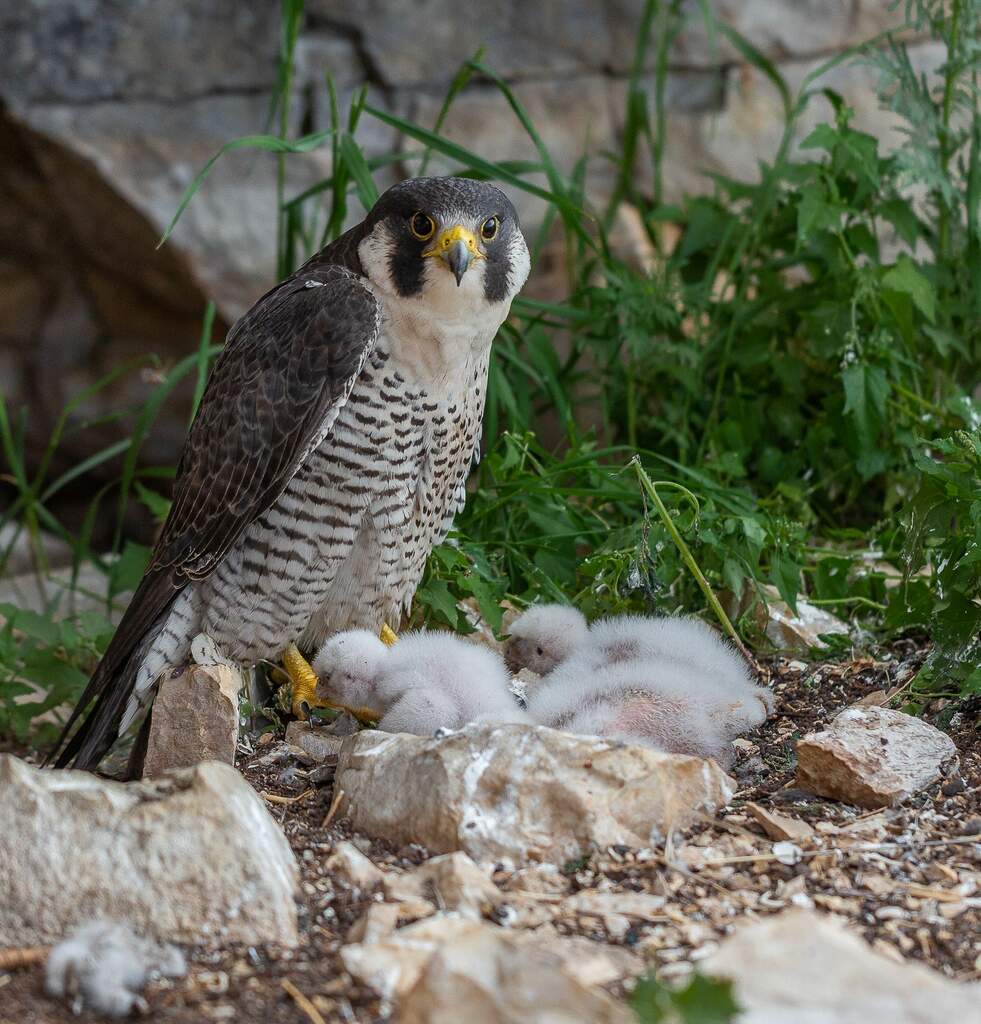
<point x="908" y="878"/>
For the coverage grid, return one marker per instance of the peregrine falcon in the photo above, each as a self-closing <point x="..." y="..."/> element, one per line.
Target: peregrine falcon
<point x="330" y="451"/>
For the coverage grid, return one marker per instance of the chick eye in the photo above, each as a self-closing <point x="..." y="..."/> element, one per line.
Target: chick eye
<point x="422" y="226"/>
<point x="538" y="650"/>
<point x="488" y="230"/>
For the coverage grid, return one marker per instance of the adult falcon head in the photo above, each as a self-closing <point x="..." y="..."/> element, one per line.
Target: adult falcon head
<point x="425" y="234"/>
<point x="330" y="451"/>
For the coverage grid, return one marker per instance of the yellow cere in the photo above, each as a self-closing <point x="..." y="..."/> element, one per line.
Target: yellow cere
<point x="457" y="233"/>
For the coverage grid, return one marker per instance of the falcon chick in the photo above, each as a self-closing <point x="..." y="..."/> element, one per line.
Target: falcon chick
<point x="103" y="966"/>
<point x="330" y="451"/>
<point x="425" y="682"/>
<point x="348" y="668"/>
<point x="655" y="703"/>
<point x="671" y="683"/>
<point x="543" y="636"/>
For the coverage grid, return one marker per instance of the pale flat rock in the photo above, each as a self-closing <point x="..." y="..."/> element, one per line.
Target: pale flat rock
<point x="873" y="757"/>
<point x="393" y="965"/>
<point x="779" y="826"/>
<point x="194" y="718"/>
<point x="375" y="924"/>
<point x="519" y="793"/>
<point x="802" y="967"/>
<point x="457" y="883"/>
<point x="487" y="977"/>
<point x="450" y="969"/>
<point x="349" y="864"/>
<point x="193" y="857"/>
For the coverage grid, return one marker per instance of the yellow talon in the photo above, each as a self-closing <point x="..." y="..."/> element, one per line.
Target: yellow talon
<point x="304" y="683"/>
<point x="388" y="636"/>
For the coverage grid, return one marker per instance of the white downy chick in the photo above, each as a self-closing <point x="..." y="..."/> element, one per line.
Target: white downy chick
<point x="438" y="680"/>
<point x="104" y="966"/>
<point x="544" y="636"/>
<point x="652" y="704"/>
<point x="348" y="668"/>
<point x="718" y="673"/>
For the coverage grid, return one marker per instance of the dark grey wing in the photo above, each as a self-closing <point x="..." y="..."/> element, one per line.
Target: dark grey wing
<point x="273" y="395"/>
<point x="289" y="366"/>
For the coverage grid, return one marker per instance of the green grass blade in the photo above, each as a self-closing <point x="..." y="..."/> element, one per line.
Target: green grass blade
<point x="267" y="143"/>
<point x="470" y="160"/>
<point x="359" y="170"/>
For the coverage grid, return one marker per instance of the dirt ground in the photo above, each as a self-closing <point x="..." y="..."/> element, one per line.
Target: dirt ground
<point x="904" y="877"/>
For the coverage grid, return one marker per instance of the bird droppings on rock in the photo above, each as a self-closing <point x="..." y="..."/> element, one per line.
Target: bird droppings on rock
<point x="521" y="793"/>
<point x="873" y="757"/>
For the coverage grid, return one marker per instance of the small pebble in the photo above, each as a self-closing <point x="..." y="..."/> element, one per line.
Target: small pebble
<point x="954" y="786"/>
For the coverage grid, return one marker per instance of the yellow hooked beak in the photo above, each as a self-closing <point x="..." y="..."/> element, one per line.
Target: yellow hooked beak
<point x="457" y="248"/>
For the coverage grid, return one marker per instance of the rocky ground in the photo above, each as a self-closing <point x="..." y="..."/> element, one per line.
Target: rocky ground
<point x="907" y="879"/>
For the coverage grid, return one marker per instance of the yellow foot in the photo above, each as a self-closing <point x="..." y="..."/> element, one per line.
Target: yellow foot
<point x="304" y="683"/>
<point x="388" y="636"/>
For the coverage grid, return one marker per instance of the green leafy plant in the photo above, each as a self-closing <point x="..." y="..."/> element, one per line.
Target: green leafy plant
<point x="944" y="523"/>
<point x="702" y="1001"/>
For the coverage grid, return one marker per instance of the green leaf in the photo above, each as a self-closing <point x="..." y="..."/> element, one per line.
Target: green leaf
<point x="702" y="1001"/>
<point x="32" y="624"/>
<point x="128" y="569"/>
<point x="436" y="596"/>
<point x="706" y="1001"/>
<point x="906" y="277"/>
<point x="158" y="505"/>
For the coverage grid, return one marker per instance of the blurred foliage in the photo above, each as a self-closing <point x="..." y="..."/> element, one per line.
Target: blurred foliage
<point x="702" y="1001"/>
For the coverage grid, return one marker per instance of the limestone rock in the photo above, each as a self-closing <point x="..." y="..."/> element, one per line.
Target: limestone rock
<point x="392" y="966"/>
<point x="805" y="968"/>
<point x="873" y="757"/>
<point x="459" y="884"/>
<point x="349" y="864"/>
<point x="194" y="718"/>
<point x="487" y="977"/>
<point x="193" y="857"/>
<point x="779" y="826"/>
<point x="449" y="969"/>
<point x="617" y="910"/>
<point x="520" y="793"/>
<point x="785" y="629"/>
<point x="375" y="924"/>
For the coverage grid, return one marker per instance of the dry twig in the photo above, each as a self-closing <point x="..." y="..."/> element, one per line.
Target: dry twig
<point x="303" y="1003"/>
<point x="10" y="959"/>
<point x="334" y="806"/>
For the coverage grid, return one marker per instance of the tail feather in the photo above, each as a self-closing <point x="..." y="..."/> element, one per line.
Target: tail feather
<point x="113" y="681"/>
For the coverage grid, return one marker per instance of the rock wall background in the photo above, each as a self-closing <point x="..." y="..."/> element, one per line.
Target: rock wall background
<point x="109" y="107"/>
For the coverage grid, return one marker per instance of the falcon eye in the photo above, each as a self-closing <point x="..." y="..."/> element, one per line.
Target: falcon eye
<point x="422" y="226"/>
<point x="488" y="230"/>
